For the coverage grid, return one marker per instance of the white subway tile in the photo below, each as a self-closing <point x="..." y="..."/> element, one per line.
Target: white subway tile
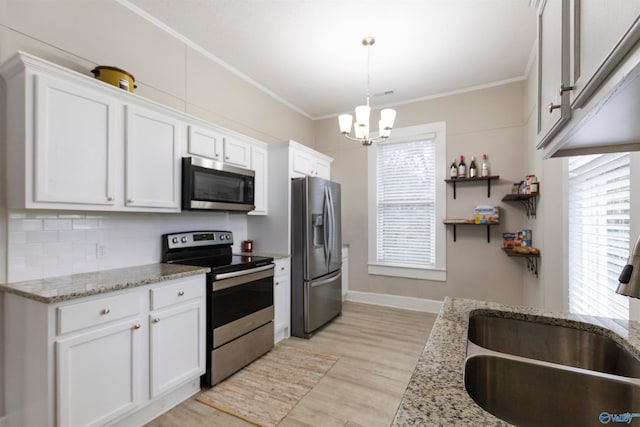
<point x="23" y="274"/>
<point x="71" y="216"/>
<point x="85" y="224"/>
<point x="42" y="236"/>
<point x="57" y="248"/>
<point x="25" y="224"/>
<point x="57" y="224"/>
<point x="16" y="237"/>
<point x="42" y="215"/>
<point x="17" y="215"/>
<point x="17" y="262"/>
<point x="57" y="270"/>
<point x="71" y="235"/>
<point x="85" y="267"/>
<point x="26" y="249"/>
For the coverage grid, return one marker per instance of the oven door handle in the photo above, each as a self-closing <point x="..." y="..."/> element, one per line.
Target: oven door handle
<point x="243" y="272"/>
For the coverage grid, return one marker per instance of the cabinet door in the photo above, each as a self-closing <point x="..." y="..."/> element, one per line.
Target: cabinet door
<point x="236" y="152"/>
<point x="98" y="374"/>
<point x="303" y="162"/>
<point x="282" y="299"/>
<point x="322" y="169"/>
<point x="259" y="165"/>
<point x="177" y="345"/>
<point x="602" y="33"/>
<point x="152" y="160"/>
<point x="205" y="142"/>
<point x="74" y="144"/>
<point x="553" y="69"/>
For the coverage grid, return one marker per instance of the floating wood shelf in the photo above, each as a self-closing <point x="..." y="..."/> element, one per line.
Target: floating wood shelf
<point x="532" y="259"/>
<point x="456" y="222"/>
<point x="455" y="181"/>
<point x="529" y="201"/>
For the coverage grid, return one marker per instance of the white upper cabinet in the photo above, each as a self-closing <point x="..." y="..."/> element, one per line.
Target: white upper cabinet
<point x="205" y="142"/>
<point x="237" y="152"/>
<point x="74" y="139"/>
<point x="259" y="159"/>
<point x="602" y="33"/>
<point x="588" y="76"/>
<point x="553" y="69"/>
<point x="152" y="178"/>
<point x="310" y="163"/>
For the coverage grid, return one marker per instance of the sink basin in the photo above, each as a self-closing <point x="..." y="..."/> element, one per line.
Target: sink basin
<point x="555" y="344"/>
<point x="533" y="394"/>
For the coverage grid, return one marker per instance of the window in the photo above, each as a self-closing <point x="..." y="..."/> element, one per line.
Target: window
<point x="406" y="203"/>
<point x="599" y="205"/>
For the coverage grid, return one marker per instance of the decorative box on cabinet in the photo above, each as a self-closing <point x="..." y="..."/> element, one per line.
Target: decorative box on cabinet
<point x="282" y="299"/>
<point x="107" y="358"/>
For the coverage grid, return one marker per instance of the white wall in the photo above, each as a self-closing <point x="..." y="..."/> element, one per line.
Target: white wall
<point x="488" y="121"/>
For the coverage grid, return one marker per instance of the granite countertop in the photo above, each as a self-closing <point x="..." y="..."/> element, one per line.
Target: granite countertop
<point x="267" y="254"/>
<point x="65" y="288"/>
<point x="436" y="395"/>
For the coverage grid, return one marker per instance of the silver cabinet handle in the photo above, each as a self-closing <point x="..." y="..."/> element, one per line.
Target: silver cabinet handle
<point x="553" y="106"/>
<point x="156" y="320"/>
<point x="181" y="293"/>
<point x="136" y="326"/>
<point x="105" y="311"/>
<point x="564" y="88"/>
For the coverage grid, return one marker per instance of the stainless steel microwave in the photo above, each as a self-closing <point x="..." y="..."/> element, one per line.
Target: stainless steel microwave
<point x="212" y="185"/>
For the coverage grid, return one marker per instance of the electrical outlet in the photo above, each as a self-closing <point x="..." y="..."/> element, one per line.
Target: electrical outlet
<point x="101" y="250"/>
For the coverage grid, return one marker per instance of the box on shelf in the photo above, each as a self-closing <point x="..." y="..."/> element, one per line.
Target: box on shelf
<point x="525" y="237"/>
<point x="486" y="214"/>
<point x="509" y="240"/>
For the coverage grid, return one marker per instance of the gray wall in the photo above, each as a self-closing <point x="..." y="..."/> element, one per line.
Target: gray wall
<point x="491" y="121"/>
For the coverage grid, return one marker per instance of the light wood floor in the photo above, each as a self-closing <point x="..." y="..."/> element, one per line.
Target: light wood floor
<point x="379" y="349"/>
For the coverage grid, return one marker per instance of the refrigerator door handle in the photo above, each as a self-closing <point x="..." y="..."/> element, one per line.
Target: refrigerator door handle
<point x="326" y="218"/>
<point x="325" y="281"/>
<point x="332" y="230"/>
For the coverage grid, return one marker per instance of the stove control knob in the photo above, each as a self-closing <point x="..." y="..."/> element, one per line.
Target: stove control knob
<point x="228" y="236"/>
<point x="222" y="237"/>
<point x="184" y="239"/>
<point x="174" y="240"/>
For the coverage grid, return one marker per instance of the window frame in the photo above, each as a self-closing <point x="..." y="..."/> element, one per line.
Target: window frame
<point x="437" y="272"/>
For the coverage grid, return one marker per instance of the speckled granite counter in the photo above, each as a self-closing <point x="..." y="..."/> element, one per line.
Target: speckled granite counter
<point x="436" y="395"/>
<point x="66" y="288"/>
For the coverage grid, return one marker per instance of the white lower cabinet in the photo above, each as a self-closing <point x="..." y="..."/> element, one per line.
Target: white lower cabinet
<point x="177" y="345"/>
<point x="282" y="299"/>
<point x="98" y="374"/>
<point x="120" y="358"/>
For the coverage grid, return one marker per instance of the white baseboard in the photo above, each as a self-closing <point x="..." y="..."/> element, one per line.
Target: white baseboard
<point x="407" y="303"/>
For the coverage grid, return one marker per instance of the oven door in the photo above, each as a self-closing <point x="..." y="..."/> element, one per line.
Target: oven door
<point x="211" y="185"/>
<point x="242" y="302"/>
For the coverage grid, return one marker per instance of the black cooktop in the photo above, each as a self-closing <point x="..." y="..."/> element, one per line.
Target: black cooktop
<point x="208" y="249"/>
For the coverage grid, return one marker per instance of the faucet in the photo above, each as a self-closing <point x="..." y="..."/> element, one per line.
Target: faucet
<point x="630" y="276"/>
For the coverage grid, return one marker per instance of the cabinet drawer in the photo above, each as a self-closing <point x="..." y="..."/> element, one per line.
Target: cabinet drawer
<point x="93" y="313"/>
<point x="177" y="292"/>
<point x="283" y="268"/>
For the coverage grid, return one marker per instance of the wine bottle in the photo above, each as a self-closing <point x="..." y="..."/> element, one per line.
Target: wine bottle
<point x="473" y="169"/>
<point x="485" y="166"/>
<point x="453" y="170"/>
<point x="462" y="168"/>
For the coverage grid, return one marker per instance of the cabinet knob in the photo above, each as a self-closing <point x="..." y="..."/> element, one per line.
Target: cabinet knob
<point x="129" y="200"/>
<point x="277" y="283"/>
<point x="136" y="326"/>
<point x="282" y="268"/>
<point x="156" y="320"/>
<point x="181" y="293"/>
<point x="553" y="106"/>
<point x="226" y="157"/>
<point x="110" y="199"/>
<point x="105" y="311"/>
<point x="564" y="88"/>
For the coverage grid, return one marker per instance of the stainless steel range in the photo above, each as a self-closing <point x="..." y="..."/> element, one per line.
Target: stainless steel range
<point x="239" y="299"/>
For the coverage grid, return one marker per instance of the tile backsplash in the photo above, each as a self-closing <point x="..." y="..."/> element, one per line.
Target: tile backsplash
<point x="46" y="244"/>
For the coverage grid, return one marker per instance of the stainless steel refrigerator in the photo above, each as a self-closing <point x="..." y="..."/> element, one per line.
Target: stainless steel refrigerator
<point x="316" y="254"/>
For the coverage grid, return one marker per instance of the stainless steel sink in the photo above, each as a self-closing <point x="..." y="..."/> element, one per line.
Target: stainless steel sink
<point x="530" y="394"/>
<point x="553" y="343"/>
<point x="533" y="373"/>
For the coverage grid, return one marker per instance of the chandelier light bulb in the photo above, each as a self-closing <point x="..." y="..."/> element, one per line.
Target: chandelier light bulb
<point x="345" y="123"/>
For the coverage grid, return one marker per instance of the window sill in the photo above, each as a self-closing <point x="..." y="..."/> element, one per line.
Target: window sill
<point x="438" y="275"/>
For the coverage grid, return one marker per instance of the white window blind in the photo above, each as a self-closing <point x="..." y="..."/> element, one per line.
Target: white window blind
<point x="599" y="194"/>
<point x="406" y="199"/>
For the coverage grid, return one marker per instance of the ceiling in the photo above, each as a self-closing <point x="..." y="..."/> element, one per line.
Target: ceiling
<point x="308" y="53"/>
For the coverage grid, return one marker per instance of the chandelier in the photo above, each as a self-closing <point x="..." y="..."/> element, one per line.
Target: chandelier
<point x="361" y="127"/>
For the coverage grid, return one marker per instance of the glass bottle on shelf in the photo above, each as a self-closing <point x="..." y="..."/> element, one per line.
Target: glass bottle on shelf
<point x="473" y="169"/>
<point x="453" y="170"/>
<point x="485" y="166"/>
<point x="462" y="168"/>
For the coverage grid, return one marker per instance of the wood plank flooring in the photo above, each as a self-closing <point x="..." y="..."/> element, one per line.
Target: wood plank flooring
<point x="379" y="348"/>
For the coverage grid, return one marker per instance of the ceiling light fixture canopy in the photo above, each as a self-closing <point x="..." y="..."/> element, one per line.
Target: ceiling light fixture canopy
<point x="361" y="127"/>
